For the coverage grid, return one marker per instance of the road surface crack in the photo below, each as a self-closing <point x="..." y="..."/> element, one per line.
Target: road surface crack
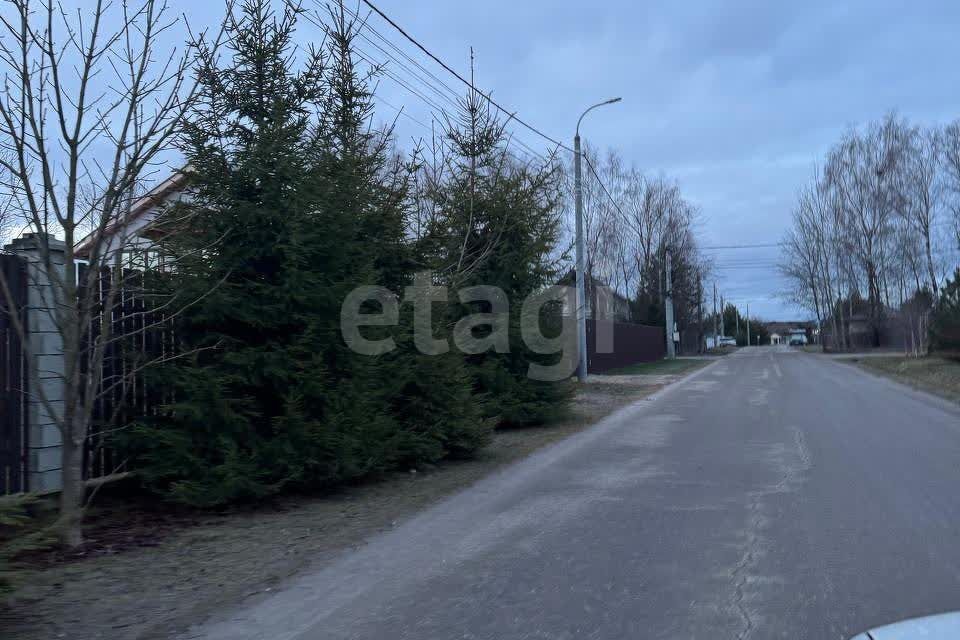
<point x="739" y="573"/>
<point x="755" y="522"/>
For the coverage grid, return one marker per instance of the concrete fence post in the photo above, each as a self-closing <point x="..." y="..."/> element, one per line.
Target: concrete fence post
<point x="45" y="349"/>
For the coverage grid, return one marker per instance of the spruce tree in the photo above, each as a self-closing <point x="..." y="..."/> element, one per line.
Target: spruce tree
<point x="498" y="226"/>
<point x="248" y="148"/>
<point x="422" y="404"/>
<point x="295" y="201"/>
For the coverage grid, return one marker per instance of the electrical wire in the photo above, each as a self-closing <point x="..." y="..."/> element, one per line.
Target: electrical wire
<point x="369" y="27"/>
<point x="510" y="114"/>
<point x="383" y="68"/>
<point x="623" y="216"/>
<point x="762" y="245"/>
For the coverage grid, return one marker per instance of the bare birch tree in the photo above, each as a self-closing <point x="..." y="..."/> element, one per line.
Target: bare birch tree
<point x="873" y="226"/>
<point x="950" y="140"/>
<point x="921" y="192"/>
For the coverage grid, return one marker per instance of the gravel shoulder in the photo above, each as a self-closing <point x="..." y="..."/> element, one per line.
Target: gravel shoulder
<point x="153" y="573"/>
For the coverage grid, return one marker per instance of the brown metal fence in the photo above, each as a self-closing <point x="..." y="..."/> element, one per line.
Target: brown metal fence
<point x="137" y="335"/>
<point x="631" y="344"/>
<point x="13" y="381"/>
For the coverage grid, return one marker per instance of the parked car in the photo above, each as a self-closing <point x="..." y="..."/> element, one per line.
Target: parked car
<point x="946" y="625"/>
<point x="727" y="341"/>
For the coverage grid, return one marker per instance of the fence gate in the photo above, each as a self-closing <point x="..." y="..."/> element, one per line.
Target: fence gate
<point x="13" y="397"/>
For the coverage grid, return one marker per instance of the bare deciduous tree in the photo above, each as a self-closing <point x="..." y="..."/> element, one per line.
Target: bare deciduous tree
<point x="91" y="100"/>
<point x="631" y="222"/>
<point x="871" y="227"/>
<point x="921" y="192"/>
<point x="951" y="162"/>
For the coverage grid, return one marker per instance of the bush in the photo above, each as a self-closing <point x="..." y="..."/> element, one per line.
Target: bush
<point x="15" y="537"/>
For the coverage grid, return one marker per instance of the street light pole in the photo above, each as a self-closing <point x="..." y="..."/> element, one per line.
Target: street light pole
<point x="581" y="250"/>
<point x="668" y="309"/>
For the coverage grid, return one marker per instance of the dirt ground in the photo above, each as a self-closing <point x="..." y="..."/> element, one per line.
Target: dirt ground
<point x="151" y="573"/>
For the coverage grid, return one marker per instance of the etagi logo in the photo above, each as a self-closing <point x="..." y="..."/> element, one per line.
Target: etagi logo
<point x="477" y="332"/>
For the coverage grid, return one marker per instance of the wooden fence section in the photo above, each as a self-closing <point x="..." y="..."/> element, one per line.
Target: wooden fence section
<point x="13" y="381"/>
<point x="630" y="344"/>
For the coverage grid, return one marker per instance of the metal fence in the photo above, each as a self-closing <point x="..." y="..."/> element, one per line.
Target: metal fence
<point x="13" y="379"/>
<point x="136" y="335"/>
<point x="631" y="344"/>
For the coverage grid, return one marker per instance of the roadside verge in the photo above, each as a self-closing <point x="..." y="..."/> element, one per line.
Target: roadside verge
<point x="149" y="576"/>
<point x="932" y="374"/>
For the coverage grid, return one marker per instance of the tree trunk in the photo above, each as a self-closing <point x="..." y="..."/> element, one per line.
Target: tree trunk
<point x="71" y="497"/>
<point x="875" y="301"/>
<point x="816" y="304"/>
<point x="933" y="273"/>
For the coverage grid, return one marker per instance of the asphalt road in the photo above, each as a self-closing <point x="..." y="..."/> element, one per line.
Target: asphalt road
<point x="774" y="494"/>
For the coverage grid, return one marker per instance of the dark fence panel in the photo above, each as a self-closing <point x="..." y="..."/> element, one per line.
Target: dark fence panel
<point x="13" y="381"/>
<point x="134" y="334"/>
<point x="631" y="344"/>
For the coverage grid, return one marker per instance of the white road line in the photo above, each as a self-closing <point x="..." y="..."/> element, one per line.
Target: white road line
<point x="776" y="367"/>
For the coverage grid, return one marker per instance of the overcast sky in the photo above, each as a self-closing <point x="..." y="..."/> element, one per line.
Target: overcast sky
<point x="736" y="101"/>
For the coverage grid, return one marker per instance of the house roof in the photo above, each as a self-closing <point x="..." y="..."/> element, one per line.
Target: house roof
<point x="570" y="279"/>
<point x="788" y="327"/>
<point x="138" y="210"/>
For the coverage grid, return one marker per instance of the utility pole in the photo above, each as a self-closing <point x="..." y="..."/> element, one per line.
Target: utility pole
<point x="737" y="334"/>
<point x="748" y="324"/>
<point x="700" y="342"/>
<point x="668" y="305"/>
<point x="581" y="297"/>
<point x="715" y="335"/>
<point x="723" y="329"/>
<point x="581" y="251"/>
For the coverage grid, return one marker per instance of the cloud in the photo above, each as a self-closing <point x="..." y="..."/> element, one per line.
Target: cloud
<point x="735" y="99"/>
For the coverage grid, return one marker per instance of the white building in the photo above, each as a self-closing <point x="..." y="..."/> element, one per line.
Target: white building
<point x="135" y="232"/>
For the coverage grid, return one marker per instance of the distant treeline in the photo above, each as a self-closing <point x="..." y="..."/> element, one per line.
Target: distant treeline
<point x="876" y="233"/>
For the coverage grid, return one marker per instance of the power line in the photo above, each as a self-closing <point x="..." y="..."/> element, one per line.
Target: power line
<point x="388" y="73"/>
<point x="383" y="68"/>
<point x="403" y="113"/>
<point x="623" y="216"/>
<point x="764" y="245"/>
<point x="509" y="114"/>
<point x="366" y="25"/>
<point x="451" y="101"/>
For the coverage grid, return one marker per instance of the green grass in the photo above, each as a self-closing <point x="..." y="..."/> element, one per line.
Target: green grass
<point x="659" y="368"/>
<point x="936" y="375"/>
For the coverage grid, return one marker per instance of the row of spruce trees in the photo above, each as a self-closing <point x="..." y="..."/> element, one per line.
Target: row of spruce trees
<point x="296" y="200"/>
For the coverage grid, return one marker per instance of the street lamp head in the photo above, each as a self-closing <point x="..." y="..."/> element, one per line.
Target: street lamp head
<point x="599" y="104"/>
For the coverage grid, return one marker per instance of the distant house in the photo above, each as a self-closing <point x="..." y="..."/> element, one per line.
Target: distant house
<point x="136" y="231"/>
<point x="791" y="332"/>
<point x="609" y="304"/>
